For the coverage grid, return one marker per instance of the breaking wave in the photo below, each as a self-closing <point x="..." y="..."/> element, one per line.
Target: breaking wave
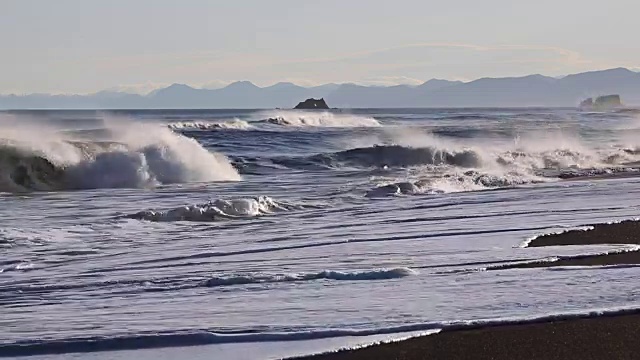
<point x="235" y="124"/>
<point x="449" y="183"/>
<point x="561" y="160"/>
<point x="220" y="209"/>
<point x="381" y="156"/>
<point x="132" y="155"/>
<point x="319" y="119"/>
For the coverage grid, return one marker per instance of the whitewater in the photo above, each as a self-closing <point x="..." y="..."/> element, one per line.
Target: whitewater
<point x="267" y="234"/>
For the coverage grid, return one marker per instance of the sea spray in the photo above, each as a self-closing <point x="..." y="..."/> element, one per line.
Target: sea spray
<point x="130" y="155"/>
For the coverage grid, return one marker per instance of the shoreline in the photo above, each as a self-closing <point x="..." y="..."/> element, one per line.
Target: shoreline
<point x="625" y="232"/>
<point x="594" y="336"/>
<point x="604" y="336"/>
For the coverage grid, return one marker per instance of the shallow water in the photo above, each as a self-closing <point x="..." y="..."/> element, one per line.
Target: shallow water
<point x="302" y="228"/>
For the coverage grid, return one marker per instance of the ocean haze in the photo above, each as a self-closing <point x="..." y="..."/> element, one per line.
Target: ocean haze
<point x="527" y="91"/>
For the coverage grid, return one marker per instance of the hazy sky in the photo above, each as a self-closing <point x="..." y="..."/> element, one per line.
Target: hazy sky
<point x="80" y="46"/>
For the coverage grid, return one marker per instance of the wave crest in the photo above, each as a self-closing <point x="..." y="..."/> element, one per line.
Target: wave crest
<point x="218" y="210"/>
<point x="319" y="119"/>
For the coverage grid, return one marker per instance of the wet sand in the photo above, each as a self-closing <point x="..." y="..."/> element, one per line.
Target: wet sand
<point x="604" y="337"/>
<point x="626" y="232"/>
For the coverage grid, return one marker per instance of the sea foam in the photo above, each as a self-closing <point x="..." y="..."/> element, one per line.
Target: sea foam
<point x="317" y="119"/>
<point x="219" y="209"/>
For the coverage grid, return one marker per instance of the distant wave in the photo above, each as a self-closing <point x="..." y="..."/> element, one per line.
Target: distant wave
<point x="450" y="183"/>
<point x="220" y="209"/>
<point x="235" y="124"/>
<point x="389" y="156"/>
<point x="133" y="156"/>
<point x="182" y="338"/>
<point x="558" y="163"/>
<point x="319" y="119"/>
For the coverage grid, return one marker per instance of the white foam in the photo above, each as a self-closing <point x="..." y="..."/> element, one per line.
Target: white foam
<point x="452" y="181"/>
<point x="218" y="209"/>
<point x="23" y="266"/>
<point x="318" y="119"/>
<point x="528" y="159"/>
<point x="235" y="124"/>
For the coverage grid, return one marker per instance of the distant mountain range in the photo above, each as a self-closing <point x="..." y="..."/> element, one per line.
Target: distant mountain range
<point x="532" y="90"/>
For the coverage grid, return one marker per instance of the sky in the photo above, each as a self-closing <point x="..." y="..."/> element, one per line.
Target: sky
<point x="84" y="46"/>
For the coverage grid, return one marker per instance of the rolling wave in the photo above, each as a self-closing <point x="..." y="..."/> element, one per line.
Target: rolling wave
<point x="562" y="163"/>
<point x="218" y="210"/>
<point x="133" y="156"/>
<point x="454" y="168"/>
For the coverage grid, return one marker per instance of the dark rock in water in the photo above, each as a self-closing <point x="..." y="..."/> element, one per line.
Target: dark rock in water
<point x="311" y="104"/>
<point x="605" y="102"/>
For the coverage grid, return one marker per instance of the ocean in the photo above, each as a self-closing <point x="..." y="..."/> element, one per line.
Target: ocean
<point x="263" y="234"/>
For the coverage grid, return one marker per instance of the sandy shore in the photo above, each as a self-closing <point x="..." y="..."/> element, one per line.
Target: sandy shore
<point x="605" y="337"/>
<point x="626" y="232"/>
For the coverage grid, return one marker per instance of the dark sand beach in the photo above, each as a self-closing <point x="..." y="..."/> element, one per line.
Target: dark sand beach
<point x="605" y="337"/>
<point x="626" y="232"/>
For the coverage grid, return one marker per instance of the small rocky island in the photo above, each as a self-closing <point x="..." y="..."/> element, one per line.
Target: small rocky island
<point x="606" y="102"/>
<point x="312" y="104"/>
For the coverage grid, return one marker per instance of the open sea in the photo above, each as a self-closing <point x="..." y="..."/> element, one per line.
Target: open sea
<point x="269" y="234"/>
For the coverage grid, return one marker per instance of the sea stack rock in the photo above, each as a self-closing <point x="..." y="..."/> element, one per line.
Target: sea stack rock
<point x="606" y="102"/>
<point x="312" y="104"/>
